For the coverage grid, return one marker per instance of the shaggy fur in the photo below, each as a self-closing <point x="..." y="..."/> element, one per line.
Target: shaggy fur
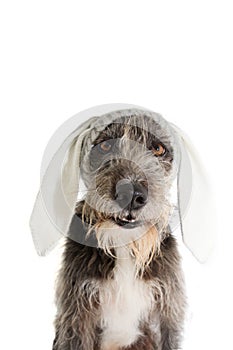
<point x="112" y="272"/>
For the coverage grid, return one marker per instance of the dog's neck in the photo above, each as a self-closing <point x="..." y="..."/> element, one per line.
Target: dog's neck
<point x="140" y="244"/>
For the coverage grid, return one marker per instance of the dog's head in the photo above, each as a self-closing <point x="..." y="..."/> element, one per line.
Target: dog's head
<point x="128" y="158"/>
<point x="128" y="172"/>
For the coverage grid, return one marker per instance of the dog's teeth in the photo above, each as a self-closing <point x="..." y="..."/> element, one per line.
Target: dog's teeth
<point x="128" y="220"/>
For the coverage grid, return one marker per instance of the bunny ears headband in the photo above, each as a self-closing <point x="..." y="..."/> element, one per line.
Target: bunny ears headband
<point x="61" y="179"/>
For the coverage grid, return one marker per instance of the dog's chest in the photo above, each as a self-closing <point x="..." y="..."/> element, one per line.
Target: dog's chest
<point x="125" y="302"/>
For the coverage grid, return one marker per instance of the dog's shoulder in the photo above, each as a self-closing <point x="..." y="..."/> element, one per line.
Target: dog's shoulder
<point x="83" y="261"/>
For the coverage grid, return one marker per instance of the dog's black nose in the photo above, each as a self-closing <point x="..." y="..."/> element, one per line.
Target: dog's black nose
<point x="129" y="195"/>
<point x="139" y="197"/>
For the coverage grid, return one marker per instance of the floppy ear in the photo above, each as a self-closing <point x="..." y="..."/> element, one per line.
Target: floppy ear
<point x="55" y="203"/>
<point x="195" y="202"/>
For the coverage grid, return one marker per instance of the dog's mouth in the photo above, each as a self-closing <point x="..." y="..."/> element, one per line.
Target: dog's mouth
<point x="127" y="222"/>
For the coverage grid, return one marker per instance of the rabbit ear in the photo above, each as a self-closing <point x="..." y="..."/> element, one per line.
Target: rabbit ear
<point x="55" y="203"/>
<point x="195" y="203"/>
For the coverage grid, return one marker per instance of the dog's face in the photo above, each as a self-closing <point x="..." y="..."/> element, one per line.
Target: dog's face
<point x="128" y="174"/>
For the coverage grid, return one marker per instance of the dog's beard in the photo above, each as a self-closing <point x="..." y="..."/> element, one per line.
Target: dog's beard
<point x="142" y="243"/>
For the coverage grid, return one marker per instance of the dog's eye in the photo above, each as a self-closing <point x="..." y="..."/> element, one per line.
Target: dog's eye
<point x="158" y="150"/>
<point x="105" y="146"/>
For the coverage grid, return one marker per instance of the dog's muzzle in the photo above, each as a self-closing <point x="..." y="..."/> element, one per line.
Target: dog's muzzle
<point x="130" y="197"/>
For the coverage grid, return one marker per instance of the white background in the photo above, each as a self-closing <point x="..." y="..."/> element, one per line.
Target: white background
<point x="60" y="57"/>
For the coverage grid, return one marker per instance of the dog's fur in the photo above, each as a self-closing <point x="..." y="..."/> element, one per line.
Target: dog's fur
<point x="127" y="291"/>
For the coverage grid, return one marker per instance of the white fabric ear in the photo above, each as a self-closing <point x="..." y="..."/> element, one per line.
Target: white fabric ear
<point x="56" y="200"/>
<point x="196" y="209"/>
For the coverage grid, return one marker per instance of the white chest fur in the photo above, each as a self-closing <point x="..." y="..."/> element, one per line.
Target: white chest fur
<point x="125" y="301"/>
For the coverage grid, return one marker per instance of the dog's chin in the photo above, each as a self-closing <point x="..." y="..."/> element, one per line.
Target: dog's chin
<point x="128" y="224"/>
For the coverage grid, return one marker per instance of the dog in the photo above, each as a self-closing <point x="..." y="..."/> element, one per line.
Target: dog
<point x="121" y="284"/>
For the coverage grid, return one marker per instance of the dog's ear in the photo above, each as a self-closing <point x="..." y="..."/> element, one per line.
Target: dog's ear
<point x="55" y="203"/>
<point x="78" y="230"/>
<point x="195" y="201"/>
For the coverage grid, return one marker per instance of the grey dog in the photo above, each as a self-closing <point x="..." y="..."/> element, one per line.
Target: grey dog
<point x="120" y="285"/>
